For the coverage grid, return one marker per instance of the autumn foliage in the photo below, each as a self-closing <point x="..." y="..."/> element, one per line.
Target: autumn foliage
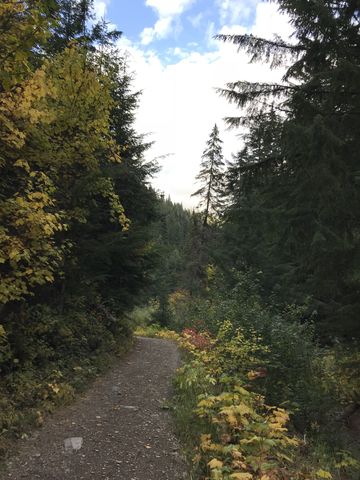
<point x="71" y="258"/>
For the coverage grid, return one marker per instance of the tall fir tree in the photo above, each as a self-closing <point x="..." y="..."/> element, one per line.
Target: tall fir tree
<point x="310" y="170"/>
<point x="75" y="21"/>
<point x="210" y="177"/>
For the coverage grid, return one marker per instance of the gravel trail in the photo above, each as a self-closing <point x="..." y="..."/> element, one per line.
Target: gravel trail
<point x="119" y="430"/>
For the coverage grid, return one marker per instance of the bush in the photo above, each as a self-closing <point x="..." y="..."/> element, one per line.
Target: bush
<point x="275" y="352"/>
<point x="233" y="432"/>
<point x="47" y="356"/>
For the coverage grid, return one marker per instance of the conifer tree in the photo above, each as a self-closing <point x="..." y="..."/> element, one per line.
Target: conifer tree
<point x="76" y="21"/>
<point x="210" y="177"/>
<point x="309" y="170"/>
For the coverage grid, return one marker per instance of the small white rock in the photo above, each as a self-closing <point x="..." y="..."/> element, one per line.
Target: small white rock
<point x="73" y="444"/>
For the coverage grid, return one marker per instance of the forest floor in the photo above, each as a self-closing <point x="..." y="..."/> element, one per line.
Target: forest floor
<point x="120" y="429"/>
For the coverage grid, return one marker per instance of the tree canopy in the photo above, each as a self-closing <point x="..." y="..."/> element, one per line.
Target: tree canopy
<point x="294" y="186"/>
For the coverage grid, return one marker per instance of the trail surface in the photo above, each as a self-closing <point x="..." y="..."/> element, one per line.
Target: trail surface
<point x="118" y="431"/>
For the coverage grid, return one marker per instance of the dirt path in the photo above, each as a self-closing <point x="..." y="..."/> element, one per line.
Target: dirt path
<point x="121" y="424"/>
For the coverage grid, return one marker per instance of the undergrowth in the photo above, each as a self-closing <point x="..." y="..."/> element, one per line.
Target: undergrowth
<point x="228" y="429"/>
<point x="46" y="358"/>
<point x="257" y="397"/>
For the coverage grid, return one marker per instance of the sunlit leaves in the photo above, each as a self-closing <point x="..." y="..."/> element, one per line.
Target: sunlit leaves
<point x="242" y="437"/>
<point x="23" y="24"/>
<point x="54" y="134"/>
<point x="28" y="253"/>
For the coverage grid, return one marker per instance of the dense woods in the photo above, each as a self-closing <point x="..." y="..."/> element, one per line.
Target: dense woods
<point x="263" y="279"/>
<point x="75" y="204"/>
<point x="276" y="308"/>
<point x="298" y="169"/>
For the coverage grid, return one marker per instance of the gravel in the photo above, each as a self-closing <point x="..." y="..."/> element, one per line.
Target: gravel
<point x="119" y="430"/>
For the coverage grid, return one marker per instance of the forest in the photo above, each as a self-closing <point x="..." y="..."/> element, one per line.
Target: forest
<point x="259" y="285"/>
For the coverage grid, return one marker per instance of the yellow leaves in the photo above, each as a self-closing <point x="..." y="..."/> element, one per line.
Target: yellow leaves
<point x="168" y="335"/>
<point x="207" y="402"/>
<point x="294" y="442"/>
<point x="26" y="243"/>
<point x="280" y="416"/>
<point x="345" y="459"/>
<point x="14" y="254"/>
<point x="22" y="164"/>
<point x="207" y="446"/>
<point x="243" y="409"/>
<point x="29" y="105"/>
<point x="2" y="332"/>
<point x="41" y="197"/>
<point x="214" y="463"/>
<point x="20" y="110"/>
<point x="54" y="388"/>
<point x="230" y="416"/>
<point x="48" y="229"/>
<point x="80" y="111"/>
<point x="323" y="474"/>
<point x="205" y="440"/>
<point x="249" y="439"/>
<point x="242" y="476"/>
<point x="22" y="25"/>
<point x="210" y="272"/>
<point x="235" y="413"/>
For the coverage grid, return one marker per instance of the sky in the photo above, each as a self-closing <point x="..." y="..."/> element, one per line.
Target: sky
<point x="178" y="65"/>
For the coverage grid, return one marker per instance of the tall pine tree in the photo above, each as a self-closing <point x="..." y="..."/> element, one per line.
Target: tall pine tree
<point x="210" y="177"/>
<point x="75" y="21"/>
<point x="310" y="170"/>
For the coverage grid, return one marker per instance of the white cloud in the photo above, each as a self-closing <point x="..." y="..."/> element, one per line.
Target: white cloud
<point x="100" y="8"/>
<point x="270" y="22"/>
<point x="167" y="11"/>
<point x="179" y="105"/>
<point x="169" y="8"/>
<point x="161" y="29"/>
<point x="234" y="11"/>
<point x="178" y="52"/>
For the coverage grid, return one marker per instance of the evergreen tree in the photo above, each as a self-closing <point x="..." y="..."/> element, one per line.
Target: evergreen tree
<point x="195" y="255"/>
<point x="170" y="235"/>
<point x="75" y="20"/>
<point x="210" y="176"/>
<point x="69" y="153"/>
<point x="309" y="171"/>
<point x="115" y="262"/>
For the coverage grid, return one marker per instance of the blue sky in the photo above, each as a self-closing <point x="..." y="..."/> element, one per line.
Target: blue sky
<point x="183" y="24"/>
<point x="131" y="16"/>
<point x="190" y="20"/>
<point x="177" y="65"/>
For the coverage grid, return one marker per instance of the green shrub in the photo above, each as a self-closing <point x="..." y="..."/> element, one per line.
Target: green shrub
<point x="46" y="356"/>
<point x="313" y="383"/>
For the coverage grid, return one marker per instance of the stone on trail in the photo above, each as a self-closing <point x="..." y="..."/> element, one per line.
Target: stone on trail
<point x="72" y="444"/>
